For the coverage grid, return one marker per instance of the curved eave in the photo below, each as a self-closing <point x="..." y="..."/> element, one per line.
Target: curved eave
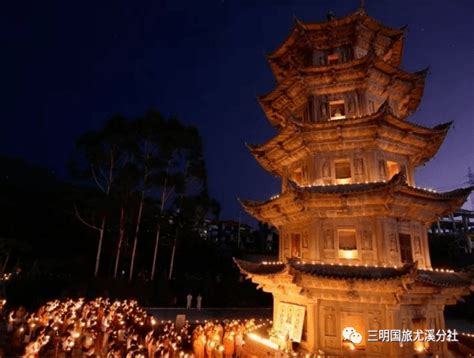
<point x="457" y="196"/>
<point x="396" y="184"/>
<point x="292" y="37"/>
<point x="291" y="143"/>
<point x="269" y="101"/>
<point x="359" y="15"/>
<point x="393" y="53"/>
<point x="259" y="269"/>
<point x="346" y="272"/>
<point x="253" y="207"/>
<point x="384" y="113"/>
<point x="352" y="273"/>
<point x="369" y="61"/>
<point x="378" y="26"/>
<point x="443" y="279"/>
<point x="394" y="198"/>
<point x="259" y="151"/>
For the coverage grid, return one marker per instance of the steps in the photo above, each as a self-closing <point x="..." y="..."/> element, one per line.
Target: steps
<point x="253" y="349"/>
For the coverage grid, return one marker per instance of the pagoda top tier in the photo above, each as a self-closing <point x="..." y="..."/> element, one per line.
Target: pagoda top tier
<point x="344" y="90"/>
<point x="337" y="40"/>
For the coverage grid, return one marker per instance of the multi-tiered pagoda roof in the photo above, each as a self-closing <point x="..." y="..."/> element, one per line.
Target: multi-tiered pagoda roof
<point x="352" y="222"/>
<point x="408" y="280"/>
<point x="394" y="198"/>
<point x="381" y="130"/>
<point x="357" y="29"/>
<point x="289" y="99"/>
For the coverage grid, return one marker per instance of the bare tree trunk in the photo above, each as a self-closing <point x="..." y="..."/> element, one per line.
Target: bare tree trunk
<point x="120" y="240"/>
<point x="140" y="211"/>
<point x="155" y="251"/>
<point x="158" y="231"/>
<point x="5" y="263"/>
<point x="170" y="275"/>
<point x="135" y="240"/>
<point x="173" y="252"/>
<point x="102" y="225"/>
<point x="99" y="246"/>
<point x="101" y="230"/>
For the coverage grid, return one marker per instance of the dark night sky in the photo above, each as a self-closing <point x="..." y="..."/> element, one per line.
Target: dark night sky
<point x="65" y="66"/>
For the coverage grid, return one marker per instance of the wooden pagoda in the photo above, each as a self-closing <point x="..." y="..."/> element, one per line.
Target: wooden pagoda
<point x="353" y="226"/>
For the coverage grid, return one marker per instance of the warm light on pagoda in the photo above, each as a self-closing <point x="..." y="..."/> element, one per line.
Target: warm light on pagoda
<point x="351" y="221"/>
<point x="419" y="346"/>
<point x="348" y="254"/>
<point x="263" y="341"/>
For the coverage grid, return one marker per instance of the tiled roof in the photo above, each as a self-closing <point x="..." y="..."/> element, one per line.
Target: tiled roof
<point x="397" y="180"/>
<point x="444" y="279"/>
<point x="345" y="272"/>
<point x="358" y="16"/>
<point x="254" y="268"/>
<point x="298" y="138"/>
<point x="349" y="188"/>
<point x="352" y="272"/>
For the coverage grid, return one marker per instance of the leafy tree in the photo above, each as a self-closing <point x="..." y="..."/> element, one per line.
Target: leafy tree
<point x="103" y="155"/>
<point x="150" y="165"/>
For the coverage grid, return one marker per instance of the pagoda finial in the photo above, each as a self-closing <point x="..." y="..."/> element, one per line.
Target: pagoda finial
<point x="361" y="10"/>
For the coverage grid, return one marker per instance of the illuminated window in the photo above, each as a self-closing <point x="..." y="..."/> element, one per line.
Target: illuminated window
<point x="333" y="59"/>
<point x="337" y="109"/>
<point x="343" y="172"/>
<point x="392" y="169"/>
<point x="420" y="324"/>
<point x="295" y="245"/>
<point x="347" y="243"/>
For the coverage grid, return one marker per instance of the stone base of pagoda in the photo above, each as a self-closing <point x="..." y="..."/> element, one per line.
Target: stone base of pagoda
<point x="325" y="321"/>
<point x="316" y="305"/>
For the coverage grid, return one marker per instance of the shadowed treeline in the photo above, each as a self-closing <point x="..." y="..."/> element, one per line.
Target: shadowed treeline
<point x="129" y="222"/>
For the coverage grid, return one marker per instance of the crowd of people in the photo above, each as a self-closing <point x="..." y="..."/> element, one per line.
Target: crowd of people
<point x="221" y="340"/>
<point x="76" y="328"/>
<point x="116" y="329"/>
